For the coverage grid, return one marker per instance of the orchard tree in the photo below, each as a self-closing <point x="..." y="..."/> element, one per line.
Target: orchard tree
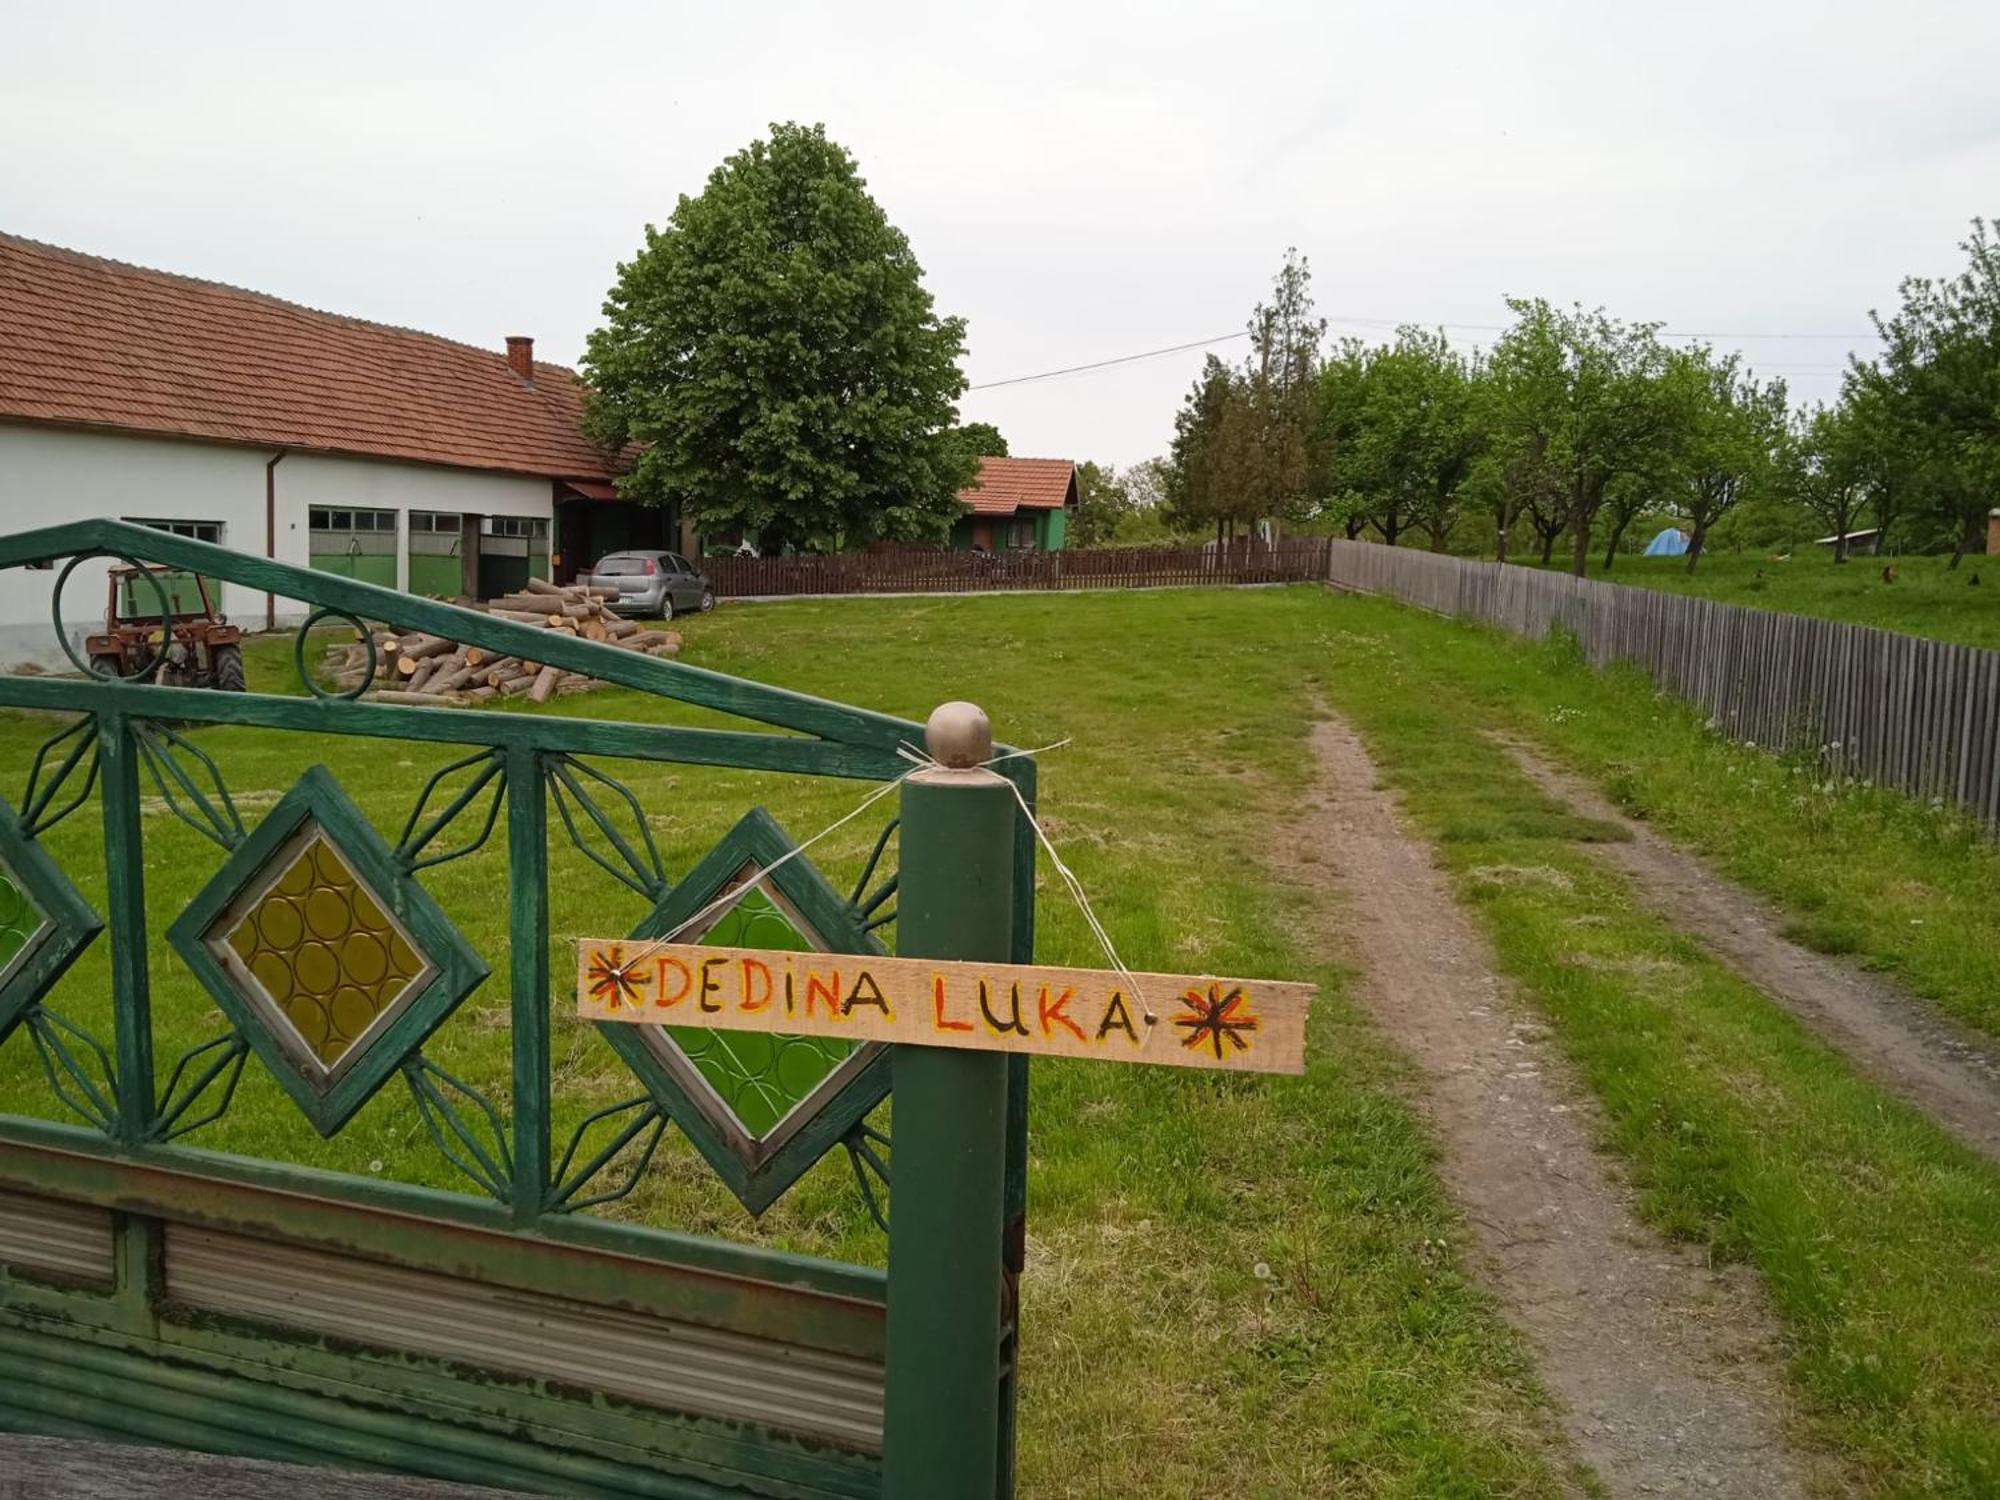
<point x="1825" y="470"/>
<point x="1403" y="430"/>
<point x="1579" y="396"/>
<point x="1730" y="431"/>
<point x="1939" y="388"/>
<point x="776" y="362"/>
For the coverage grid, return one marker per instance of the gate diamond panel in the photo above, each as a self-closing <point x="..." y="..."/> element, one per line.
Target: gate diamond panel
<point x="762" y="1109"/>
<point x="333" y="963"/>
<point x="44" y="922"/>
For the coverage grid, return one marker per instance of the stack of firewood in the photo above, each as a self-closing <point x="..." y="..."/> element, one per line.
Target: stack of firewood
<point x="431" y="670"/>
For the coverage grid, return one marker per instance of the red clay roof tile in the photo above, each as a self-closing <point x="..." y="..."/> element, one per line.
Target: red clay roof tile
<point x="97" y="343"/>
<point x="1006" y="485"/>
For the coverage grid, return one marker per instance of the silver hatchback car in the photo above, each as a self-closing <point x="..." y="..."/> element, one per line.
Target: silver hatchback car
<point x="654" y="585"/>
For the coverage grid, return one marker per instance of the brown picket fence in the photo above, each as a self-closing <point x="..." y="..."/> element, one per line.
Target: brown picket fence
<point x="1902" y="711"/>
<point x="918" y="571"/>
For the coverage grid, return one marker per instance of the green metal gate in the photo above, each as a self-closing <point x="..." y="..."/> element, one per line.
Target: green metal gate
<point x="510" y="1334"/>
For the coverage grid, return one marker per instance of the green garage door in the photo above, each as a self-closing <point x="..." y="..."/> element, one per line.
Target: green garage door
<point x="434" y="544"/>
<point x="353" y="543"/>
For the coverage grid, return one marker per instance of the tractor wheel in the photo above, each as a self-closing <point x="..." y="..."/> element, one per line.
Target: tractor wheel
<point x="110" y="664"/>
<point x="226" y="668"/>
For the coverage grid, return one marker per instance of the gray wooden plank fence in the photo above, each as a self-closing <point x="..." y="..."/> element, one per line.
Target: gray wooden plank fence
<point x="1903" y="711"/>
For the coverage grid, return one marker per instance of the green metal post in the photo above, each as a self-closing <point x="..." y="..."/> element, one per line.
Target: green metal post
<point x="125" y="889"/>
<point x="528" y="876"/>
<point x="945" y="1331"/>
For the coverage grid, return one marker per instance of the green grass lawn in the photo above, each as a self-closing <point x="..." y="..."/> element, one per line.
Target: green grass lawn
<point x="1927" y="597"/>
<point x="1236" y="1286"/>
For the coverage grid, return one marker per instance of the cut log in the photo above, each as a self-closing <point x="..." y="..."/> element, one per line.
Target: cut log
<point x="423" y="671"/>
<point x="592" y="630"/>
<point x="620" y="628"/>
<point x="520" y="616"/>
<point x="544" y="684"/>
<point x="513" y="687"/>
<point x="451" y="680"/>
<point x="543" y="586"/>
<point x="417" y="648"/>
<point x="481" y="693"/>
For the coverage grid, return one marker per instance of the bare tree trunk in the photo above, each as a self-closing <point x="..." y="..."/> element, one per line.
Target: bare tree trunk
<point x="1579" y="558"/>
<point x="1971" y="537"/>
<point x="1500" y="543"/>
<point x="1548" y="546"/>
<point x="1695" y="544"/>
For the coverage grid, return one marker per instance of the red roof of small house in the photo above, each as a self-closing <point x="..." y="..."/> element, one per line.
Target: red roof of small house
<point x="97" y="343"/>
<point x="1006" y="485"/>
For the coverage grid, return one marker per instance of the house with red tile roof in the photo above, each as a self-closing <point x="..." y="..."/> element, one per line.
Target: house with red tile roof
<point x="369" y="450"/>
<point x="1017" y="504"/>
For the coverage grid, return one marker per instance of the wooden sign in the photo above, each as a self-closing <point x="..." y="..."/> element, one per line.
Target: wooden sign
<point x="1180" y="1020"/>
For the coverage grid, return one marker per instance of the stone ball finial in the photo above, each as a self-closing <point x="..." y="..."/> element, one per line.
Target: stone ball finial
<point x="959" y="735"/>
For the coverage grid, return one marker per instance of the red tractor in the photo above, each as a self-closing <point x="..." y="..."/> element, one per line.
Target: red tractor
<point x="193" y="647"/>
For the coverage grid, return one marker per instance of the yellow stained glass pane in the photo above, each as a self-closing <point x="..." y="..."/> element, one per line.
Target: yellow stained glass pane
<point x="324" y="952"/>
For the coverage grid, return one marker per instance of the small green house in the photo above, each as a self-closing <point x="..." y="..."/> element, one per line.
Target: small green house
<point x="1017" y="505"/>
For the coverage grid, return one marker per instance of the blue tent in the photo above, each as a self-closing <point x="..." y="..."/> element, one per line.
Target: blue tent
<point x="1672" y="542"/>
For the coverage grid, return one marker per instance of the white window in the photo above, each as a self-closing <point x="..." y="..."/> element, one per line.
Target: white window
<point x="536" y="527"/>
<point x="434" y="521"/>
<point x="323" y="518"/>
<point x="200" y="531"/>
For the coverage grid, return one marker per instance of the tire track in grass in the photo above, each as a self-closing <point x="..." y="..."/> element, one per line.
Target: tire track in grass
<point x="1914" y="1051"/>
<point x="1664" y="1364"/>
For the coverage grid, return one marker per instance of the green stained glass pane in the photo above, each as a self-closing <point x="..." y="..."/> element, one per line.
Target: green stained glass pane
<point x="22" y="923"/>
<point x="761" y="1078"/>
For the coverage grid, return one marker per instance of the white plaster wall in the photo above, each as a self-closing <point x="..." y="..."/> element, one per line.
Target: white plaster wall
<point x="51" y="475"/>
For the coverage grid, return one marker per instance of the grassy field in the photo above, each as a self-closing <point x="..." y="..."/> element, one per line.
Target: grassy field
<point x="1236" y="1287"/>
<point x="1246" y="1288"/>
<point x="1927" y="597"/>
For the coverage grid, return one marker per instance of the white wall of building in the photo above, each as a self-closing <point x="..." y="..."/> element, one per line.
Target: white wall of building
<point x="51" y="475"/>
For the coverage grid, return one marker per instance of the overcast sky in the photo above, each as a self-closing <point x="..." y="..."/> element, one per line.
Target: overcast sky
<point x="1081" y="181"/>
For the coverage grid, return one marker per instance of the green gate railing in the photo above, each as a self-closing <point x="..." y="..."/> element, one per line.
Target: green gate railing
<point x="153" y="1290"/>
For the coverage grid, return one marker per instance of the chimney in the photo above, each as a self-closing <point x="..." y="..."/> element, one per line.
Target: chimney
<point x="521" y="356"/>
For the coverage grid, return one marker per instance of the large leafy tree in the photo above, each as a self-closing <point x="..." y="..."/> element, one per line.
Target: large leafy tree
<point x="775" y="358"/>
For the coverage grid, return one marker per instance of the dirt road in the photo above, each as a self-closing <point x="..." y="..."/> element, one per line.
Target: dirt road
<point x="1664" y="1366"/>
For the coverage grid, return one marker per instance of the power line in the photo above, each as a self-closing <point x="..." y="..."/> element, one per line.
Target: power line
<point x="1223" y="338"/>
<point x="1123" y="359"/>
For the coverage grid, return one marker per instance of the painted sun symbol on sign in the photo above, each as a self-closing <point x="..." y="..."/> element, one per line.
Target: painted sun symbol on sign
<point x="1215" y="1017"/>
<point x="611" y="977"/>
